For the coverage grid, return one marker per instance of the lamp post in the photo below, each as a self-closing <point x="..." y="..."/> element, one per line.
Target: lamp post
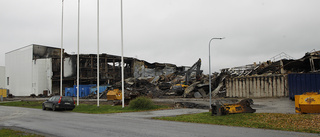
<point x="210" y="70"/>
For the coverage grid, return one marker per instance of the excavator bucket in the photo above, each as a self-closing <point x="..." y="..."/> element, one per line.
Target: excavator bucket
<point x="242" y="107"/>
<point x="308" y="102"/>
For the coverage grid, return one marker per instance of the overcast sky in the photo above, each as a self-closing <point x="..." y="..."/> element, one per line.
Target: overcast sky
<point x="168" y="31"/>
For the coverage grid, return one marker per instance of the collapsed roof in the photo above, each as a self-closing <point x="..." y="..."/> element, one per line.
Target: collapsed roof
<point x="309" y="63"/>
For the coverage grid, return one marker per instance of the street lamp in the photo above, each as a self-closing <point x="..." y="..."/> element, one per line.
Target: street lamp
<point x="210" y="70"/>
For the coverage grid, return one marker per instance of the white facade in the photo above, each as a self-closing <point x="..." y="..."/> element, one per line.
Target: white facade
<point x="25" y="76"/>
<point x="67" y="67"/>
<point x="2" y="77"/>
<point x="42" y="74"/>
<point x="19" y="71"/>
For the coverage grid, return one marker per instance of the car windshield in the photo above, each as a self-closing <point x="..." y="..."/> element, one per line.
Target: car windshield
<point x="66" y="99"/>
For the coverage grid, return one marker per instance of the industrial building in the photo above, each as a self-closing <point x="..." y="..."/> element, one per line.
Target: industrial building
<point x="35" y="69"/>
<point x="29" y="69"/>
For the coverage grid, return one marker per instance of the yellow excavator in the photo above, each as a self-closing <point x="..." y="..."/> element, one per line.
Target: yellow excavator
<point x="308" y="102"/>
<point x="114" y="94"/>
<point x="182" y="85"/>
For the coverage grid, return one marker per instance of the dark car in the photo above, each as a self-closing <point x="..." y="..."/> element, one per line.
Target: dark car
<point x="59" y="102"/>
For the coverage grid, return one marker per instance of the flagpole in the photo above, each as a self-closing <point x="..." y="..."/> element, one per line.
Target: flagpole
<point x="78" y="72"/>
<point x="98" y="81"/>
<point x="122" y="63"/>
<point x="61" y="59"/>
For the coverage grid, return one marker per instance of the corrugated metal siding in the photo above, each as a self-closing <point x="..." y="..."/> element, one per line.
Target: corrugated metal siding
<point x="301" y="83"/>
<point x="257" y="86"/>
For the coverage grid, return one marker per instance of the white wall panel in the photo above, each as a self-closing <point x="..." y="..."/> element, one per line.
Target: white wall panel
<point x="257" y="86"/>
<point x="19" y="71"/>
<point x="42" y="73"/>
<point x="67" y="67"/>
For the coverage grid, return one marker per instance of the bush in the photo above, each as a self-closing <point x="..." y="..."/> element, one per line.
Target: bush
<point x="141" y="103"/>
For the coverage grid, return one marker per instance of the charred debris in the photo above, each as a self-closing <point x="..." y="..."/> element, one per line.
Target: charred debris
<point x="163" y="80"/>
<point x="191" y="83"/>
<point x="141" y="77"/>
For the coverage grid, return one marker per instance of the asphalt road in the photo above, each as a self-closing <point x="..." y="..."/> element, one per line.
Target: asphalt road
<point x="137" y="124"/>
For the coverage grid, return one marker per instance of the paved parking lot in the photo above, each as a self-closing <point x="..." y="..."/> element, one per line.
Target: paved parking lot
<point x="274" y="105"/>
<point x="262" y="105"/>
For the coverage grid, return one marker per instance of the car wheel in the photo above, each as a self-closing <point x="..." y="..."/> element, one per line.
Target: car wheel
<point x="43" y="107"/>
<point x="54" y="108"/>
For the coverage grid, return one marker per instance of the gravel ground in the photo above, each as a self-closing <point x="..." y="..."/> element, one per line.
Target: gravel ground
<point x="262" y="105"/>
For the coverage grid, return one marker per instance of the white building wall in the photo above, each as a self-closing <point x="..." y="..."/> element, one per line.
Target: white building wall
<point x="2" y="77"/>
<point x="19" y="71"/>
<point x="42" y="73"/>
<point x="67" y="67"/>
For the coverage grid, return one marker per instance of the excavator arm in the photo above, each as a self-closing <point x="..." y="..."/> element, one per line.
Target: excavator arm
<point x="195" y="67"/>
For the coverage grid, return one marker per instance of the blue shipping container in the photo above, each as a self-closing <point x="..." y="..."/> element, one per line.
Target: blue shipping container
<point x="301" y="83"/>
<point x="69" y="91"/>
<point x="101" y="89"/>
<point x="84" y="90"/>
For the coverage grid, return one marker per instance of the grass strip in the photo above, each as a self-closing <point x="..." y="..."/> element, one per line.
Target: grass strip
<point x="309" y="123"/>
<point x="27" y="104"/>
<point x="86" y="108"/>
<point x="15" y="133"/>
<point x="104" y="109"/>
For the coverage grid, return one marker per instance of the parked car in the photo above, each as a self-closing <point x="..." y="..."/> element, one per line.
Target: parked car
<point x="59" y="102"/>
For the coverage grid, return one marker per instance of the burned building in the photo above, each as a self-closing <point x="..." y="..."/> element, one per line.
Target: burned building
<point x="310" y="63"/>
<point x="35" y="69"/>
<point x="109" y="69"/>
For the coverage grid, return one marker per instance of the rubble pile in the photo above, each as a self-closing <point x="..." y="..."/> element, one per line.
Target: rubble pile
<point x="190" y="105"/>
<point x="171" y="85"/>
<point x="163" y="86"/>
<point x="93" y="95"/>
<point x="188" y="84"/>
